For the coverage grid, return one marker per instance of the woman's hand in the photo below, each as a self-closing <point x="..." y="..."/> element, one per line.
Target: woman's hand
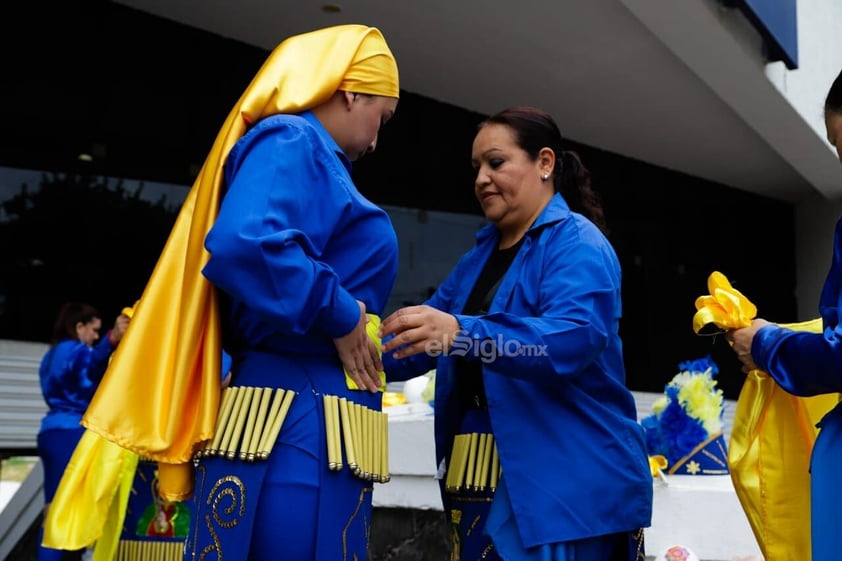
<point x="359" y="355"/>
<point x="418" y="329"/>
<point x="741" y="340"/>
<point x="119" y="329"/>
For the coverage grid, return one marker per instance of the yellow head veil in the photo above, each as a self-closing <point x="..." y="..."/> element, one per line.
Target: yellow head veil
<point x="160" y="395"/>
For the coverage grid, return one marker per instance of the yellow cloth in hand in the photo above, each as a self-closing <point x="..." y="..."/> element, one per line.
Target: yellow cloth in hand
<point x="93" y="492"/>
<point x="371" y="329"/>
<point x="771" y="438"/>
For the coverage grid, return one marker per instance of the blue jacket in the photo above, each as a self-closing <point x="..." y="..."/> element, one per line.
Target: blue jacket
<point x="70" y="373"/>
<point x="572" y="453"/>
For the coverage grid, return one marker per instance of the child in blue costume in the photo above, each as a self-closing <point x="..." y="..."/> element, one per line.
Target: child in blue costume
<point x="808" y="364"/>
<point x="524" y="336"/>
<point x="300" y="257"/>
<point x="70" y="373"/>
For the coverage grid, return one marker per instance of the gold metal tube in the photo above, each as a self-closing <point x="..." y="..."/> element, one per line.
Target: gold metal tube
<point x="248" y="430"/>
<point x="337" y="430"/>
<point x="472" y="456"/>
<point x="360" y="436"/>
<point x="375" y="445"/>
<point x="355" y="436"/>
<point x="478" y="483"/>
<point x="331" y="445"/>
<point x="263" y="446"/>
<point x="260" y="425"/>
<point x="231" y="449"/>
<point x="495" y="468"/>
<point x="370" y="439"/>
<point x="385" y="476"/>
<point x="278" y="423"/>
<point x="228" y="397"/>
<point x="230" y="420"/>
<point x="456" y="463"/>
<point x="346" y="434"/>
<point x="486" y="461"/>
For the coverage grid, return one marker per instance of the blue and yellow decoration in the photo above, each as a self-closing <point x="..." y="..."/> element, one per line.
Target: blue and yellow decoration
<point x="685" y="426"/>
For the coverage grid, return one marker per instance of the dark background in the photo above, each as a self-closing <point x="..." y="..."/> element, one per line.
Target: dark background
<point x="146" y="97"/>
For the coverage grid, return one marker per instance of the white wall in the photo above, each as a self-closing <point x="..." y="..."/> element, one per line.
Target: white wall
<point x="820" y="61"/>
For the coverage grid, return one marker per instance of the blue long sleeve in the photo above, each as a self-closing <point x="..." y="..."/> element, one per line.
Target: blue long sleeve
<point x="570" y="328"/>
<point x="802" y="363"/>
<point x="281" y="186"/>
<point x="70" y="373"/>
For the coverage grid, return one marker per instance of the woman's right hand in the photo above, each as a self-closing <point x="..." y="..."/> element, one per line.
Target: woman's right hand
<point x="119" y="329"/>
<point x="359" y="355"/>
<point x="741" y="341"/>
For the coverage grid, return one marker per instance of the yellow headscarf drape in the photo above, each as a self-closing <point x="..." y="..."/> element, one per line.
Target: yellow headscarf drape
<point x="771" y="438"/>
<point x="160" y="395"/>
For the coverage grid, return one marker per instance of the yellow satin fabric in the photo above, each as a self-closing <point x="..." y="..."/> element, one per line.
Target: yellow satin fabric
<point x="771" y="438"/>
<point x="160" y="395"/>
<point x="657" y="464"/>
<point x="371" y="328"/>
<point x="93" y="492"/>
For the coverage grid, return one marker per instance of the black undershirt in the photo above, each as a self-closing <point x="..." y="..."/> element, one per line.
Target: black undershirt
<point x="469" y="384"/>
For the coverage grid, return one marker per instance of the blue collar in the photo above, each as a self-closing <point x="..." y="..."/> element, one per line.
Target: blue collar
<point x="555" y="211"/>
<point x="310" y="118"/>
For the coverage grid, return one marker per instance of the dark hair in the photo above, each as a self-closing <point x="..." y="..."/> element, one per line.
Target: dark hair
<point x="833" y="103"/>
<point x="535" y="129"/>
<point x="69" y="315"/>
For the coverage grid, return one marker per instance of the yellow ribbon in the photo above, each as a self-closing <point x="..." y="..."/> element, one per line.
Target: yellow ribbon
<point x="771" y="438"/>
<point x="371" y="329"/>
<point x="657" y="465"/>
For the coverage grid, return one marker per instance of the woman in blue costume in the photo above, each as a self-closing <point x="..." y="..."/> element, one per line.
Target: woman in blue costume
<point x="70" y="372"/>
<point x="300" y="259"/>
<point x="808" y="364"/>
<point x="524" y="336"/>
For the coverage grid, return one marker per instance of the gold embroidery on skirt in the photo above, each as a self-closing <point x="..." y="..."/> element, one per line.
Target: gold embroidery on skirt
<point x="364" y="435"/>
<point x="247" y="426"/>
<point x="637" y="536"/>
<point x="474" y="463"/>
<point x="455" y="539"/>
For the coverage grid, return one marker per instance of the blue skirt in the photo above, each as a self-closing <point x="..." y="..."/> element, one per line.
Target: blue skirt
<point x="290" y="507"/>
<point x="483" y="526"/>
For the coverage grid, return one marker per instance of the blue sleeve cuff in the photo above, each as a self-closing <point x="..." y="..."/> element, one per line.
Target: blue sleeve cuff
<point x="763" y="340"/>
<point x="340" y="319"/>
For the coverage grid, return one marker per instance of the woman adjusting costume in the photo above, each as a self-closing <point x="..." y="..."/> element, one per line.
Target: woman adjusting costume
<point x="301" y="263"/>
<point x="536" y="433"/>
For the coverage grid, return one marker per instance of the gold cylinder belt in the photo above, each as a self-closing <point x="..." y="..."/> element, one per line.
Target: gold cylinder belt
<point x="364" y="432"/>
<point x="248" y="423"/>
<point x="137" y="550"/>
<point x="250" y="420"/>
<point x="474" y="463"/>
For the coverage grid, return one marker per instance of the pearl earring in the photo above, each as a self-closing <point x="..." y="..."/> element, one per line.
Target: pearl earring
<point x="545" y="177"/>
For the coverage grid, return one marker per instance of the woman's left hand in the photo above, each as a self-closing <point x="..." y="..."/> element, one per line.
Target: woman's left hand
<point x="741" y="340"/>
<point x="418" y="329"/>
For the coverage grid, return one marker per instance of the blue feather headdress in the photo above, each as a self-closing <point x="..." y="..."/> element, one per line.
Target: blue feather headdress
<point x="686" y="422"/>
